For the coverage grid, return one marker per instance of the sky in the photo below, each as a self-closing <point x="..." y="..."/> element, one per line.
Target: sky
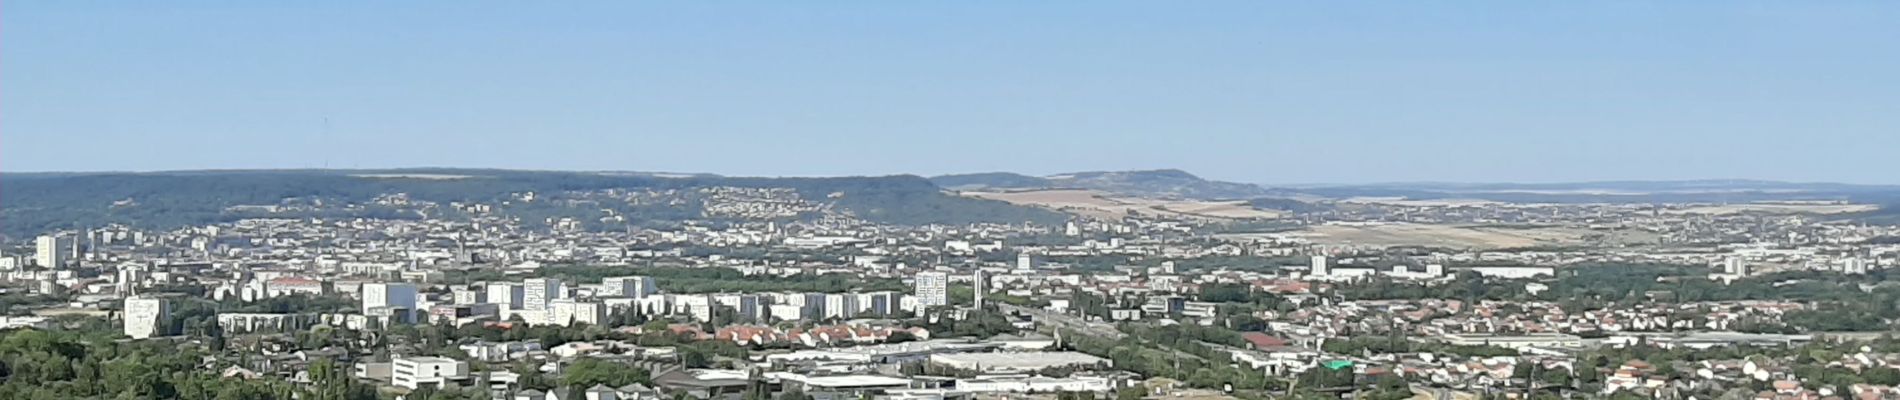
<point x="1250" y="91"/>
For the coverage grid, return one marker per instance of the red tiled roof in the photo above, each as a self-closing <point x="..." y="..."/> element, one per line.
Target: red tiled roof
<point x="1262" y="340"/>
<point x="292" y="280"/>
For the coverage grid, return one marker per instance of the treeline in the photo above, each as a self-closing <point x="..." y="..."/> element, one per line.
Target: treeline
<point x="41" y="202"/>
<point x="49" y="365"/>
<point x="1289" y="205"/>
<point x="1237" y="293"/>
<point x="1816" y="363"/>
<point x="1841" y="302"/>
<point x="1603" y="284"/>
<point x="1402" y="345"/>
<point x="979" y="323"/>
<point x="1465" y="285"/>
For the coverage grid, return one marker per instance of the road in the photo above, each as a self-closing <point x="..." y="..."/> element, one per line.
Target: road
<point x="1065" y="321"/>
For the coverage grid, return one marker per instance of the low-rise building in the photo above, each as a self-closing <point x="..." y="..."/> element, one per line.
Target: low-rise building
<point x="415" y="372"/>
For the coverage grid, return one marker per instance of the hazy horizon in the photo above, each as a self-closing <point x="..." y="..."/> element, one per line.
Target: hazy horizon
<point x="1257" y="92"/>
<point x="1262" y="183"/>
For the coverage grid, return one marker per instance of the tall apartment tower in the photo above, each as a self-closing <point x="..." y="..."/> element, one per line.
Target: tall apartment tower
<point x="538" y="293"/>
<point x="1320" y="267"/>
<point x="52" y="251"/>
<point x="629" y="286"/>
<point x="1734" y="265"/>
<point x="389" y="294"/>
<point x="506" y="295"/>
<point x="144" y="316"/>
<point x="567" y="312"/>
<point x="932" y="288"/>
<point x="979" y="284"/>
<point x="1854" y="265"/>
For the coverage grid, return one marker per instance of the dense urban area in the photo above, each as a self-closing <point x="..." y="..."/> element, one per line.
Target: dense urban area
<point x="437" y="285"/>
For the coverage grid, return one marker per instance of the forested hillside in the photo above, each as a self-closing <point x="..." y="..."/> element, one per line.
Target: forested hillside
<point x="33" y="203"/>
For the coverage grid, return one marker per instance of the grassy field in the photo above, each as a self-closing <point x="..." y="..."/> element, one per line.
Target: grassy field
<point x="1777" y="208"/>
<point x="1463" y="236"/>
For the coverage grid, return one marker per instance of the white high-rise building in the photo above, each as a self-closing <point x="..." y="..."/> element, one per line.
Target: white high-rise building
<point x="130" y="276"/>
<point x="698" y="307"/>
<point x="786" y="312"/>
<point x="389" y="294"/>
<point x="746" y="307"/>
<point x="880" y="303"/>
<point x="1025" y="261"/>
<point x="463" y="295"/>
<point x="538" y="293"/>
<point x="1854" y="265"/>
<point x="52" y="251"/>
<point x="979" y="284"/>
<point x="629" y="286"/>
<point x="143" y="316"/>
<point x="570" y="312"/>
<point x="508" y="295"/>
<point x="933" y="288"/>
<point x="1435" y="270"/>
<point x="1320" y="267"/>
<point x="841" y="305"/>
<point x="811" y="305"/>
<point x="1734" y="265"/>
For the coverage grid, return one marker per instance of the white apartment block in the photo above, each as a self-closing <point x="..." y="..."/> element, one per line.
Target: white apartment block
<point x="932" y="288"/>
<point x="468" y="295"/>
<point x="744" y="305"/>
<point x="52" y="251"/>
<point x="143" y="316"/>
<point x="416" y="372"/>
<point x="841" y="305"/>
<point x="377" y="295"/>
<point x="570" y="312"/>
<point x="699" y="307"/>
<point x="509" y="295"/>
<point x="539" y="293"/>
<point x="628" y="286"/>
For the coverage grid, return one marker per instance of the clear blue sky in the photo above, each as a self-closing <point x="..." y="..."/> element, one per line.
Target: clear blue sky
<point x="1311" y="91"/>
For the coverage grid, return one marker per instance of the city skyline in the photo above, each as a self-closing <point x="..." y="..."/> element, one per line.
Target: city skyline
<point x="1247" y="92"/>
<point x="1111" y="200"/>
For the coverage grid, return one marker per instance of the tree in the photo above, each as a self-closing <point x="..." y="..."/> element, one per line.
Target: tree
<point x="1132" y="393"/>
<point x="1882" y="376"/>
<point x="692" y="358"/>
<point x="587" y="372"/>
<point x="794" y="394"/>
<point x="1522" y="370"/>
<point x="1390" y="387"/>
<point x="87" y="363"/>
<point x="654" y="326"/>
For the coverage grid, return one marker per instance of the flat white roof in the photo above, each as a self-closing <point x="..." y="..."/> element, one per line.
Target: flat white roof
<point x="1036" y="360"/>
<point x="854" y="381"/>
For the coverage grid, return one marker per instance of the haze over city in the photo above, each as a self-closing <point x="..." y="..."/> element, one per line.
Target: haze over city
<point x="1266" y="92"/>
